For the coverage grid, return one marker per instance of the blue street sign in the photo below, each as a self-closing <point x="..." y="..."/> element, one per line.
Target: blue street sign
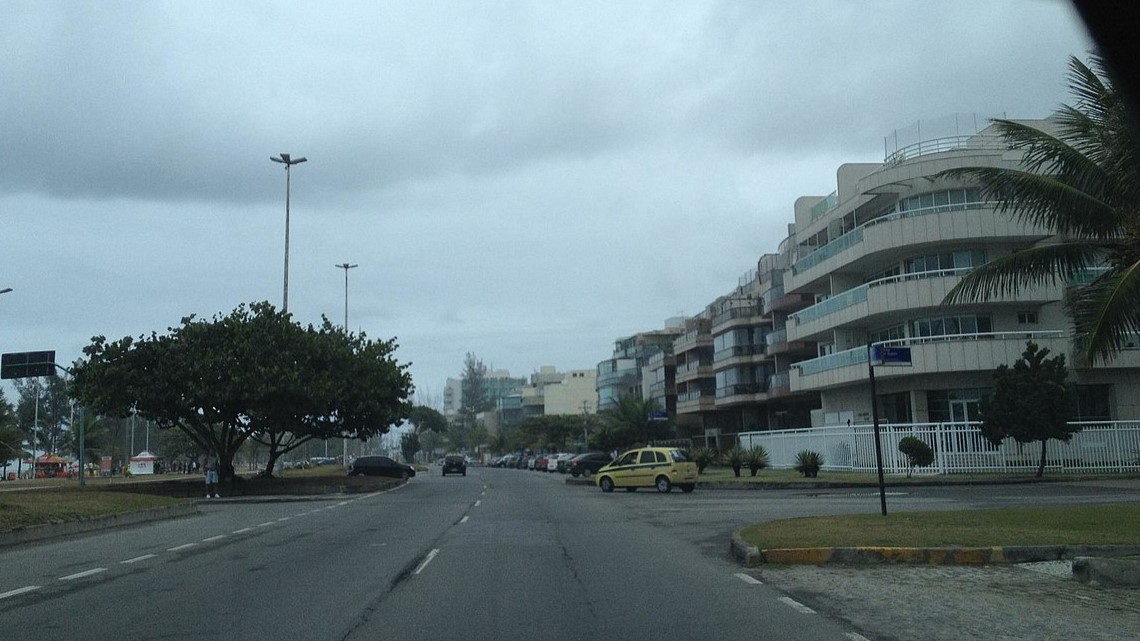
<point x="889" y="355"/>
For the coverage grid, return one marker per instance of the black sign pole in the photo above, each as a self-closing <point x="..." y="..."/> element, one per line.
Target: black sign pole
<point x="875" y="420"/>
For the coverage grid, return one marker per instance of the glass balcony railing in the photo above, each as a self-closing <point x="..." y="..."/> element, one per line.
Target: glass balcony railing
<point x="833" y="361"/>
<point x="735" y="313"/>
<point x="778" y="337"/>
<point x="781" y="381"/>
<point x="737" y="352"/>
<point x="857" y="295"/>
<point x="738" y="389"/>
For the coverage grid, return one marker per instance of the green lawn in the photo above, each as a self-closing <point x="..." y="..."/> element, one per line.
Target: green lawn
<point x="1077" y="525"/>
<point x="35" y="507"/>
<point x="721" y="474"/>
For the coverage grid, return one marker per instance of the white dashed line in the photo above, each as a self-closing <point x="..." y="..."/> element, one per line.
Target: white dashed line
<point x="797" y="606"/>
<point x="214" y="538"/>
<point x="181" y="547"/>
<point x="343" y="503"/>
<point x="266" y="524"/>
<point x="18" y="591"/>
<point x="430" y="556"/>
<point x="284" y="518"/>
<point x="747" y="578"/>
<point x="137" y="559"/>
<point x="243" y="530"/>
<point x="855" y="636"/>
<point x="477" y="503"/>
<point x="464" y="519"/>
<point x="80" y="575"/>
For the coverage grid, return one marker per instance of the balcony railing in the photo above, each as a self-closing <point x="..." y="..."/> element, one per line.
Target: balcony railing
<point x="855" y="236"/>
<point x="737" y="352"/>
<point x="857" y="295"/>
<point x="691" y="367"/>
<point x="738" y="389"/>
<point x="780" y="382"/>
<point x="736" y="313"/>
<point x="858" y="355"/>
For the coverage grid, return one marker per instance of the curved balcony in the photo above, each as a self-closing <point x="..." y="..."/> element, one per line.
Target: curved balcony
<point x="738" y="355"/>
<point x="696" y="401"/>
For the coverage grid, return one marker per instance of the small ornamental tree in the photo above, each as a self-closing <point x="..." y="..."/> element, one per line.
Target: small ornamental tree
<point x="917" y="453"/>
<point x="1031" y="401"/>
<point x="757" y="459"/>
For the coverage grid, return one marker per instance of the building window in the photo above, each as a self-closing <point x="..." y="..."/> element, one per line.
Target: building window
<point x="964" y="324"/>
<point x="1026" y="318"/>
<point x="888" y="334"/>
<point x="826" y="349"/>
<point x="1092" y="403"/>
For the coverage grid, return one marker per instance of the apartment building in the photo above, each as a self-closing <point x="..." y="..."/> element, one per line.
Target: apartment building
<point x="877" y="257"/>
<point x="622" y="374"/>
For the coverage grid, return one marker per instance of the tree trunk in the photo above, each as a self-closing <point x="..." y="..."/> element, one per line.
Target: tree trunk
<point x="736" y="470"/>
<point x="1041" y="465"/>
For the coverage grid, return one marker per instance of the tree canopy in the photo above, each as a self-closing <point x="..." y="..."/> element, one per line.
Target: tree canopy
<point x="253" y="373"/>
<point x="1031" y="401"/>
<point x="1082" y="184"/>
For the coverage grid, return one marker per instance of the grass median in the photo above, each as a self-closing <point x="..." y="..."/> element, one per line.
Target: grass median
<point x="1065" y="525"/>
<point x="57" y="505"/>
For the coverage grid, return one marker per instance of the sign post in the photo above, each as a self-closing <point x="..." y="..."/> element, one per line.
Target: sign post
<point x="882" y="355"/>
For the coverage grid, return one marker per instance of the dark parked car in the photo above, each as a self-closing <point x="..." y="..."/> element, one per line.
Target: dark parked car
<point x="381" y="466"/>
<point x="454" y="463"/>
<point x="588" y="463"/>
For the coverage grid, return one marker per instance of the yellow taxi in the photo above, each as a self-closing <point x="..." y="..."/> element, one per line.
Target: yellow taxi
<point x="659" y="467"/>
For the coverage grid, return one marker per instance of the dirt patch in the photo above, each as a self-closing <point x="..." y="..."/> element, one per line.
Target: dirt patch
<point x="192" y="486"/>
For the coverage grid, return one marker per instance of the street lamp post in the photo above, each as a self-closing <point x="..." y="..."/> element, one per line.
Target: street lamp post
<point x="346" y="267"/>
<point x="288" y="162"/>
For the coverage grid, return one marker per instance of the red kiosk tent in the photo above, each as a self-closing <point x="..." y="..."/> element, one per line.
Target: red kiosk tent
<point x="51" y="466"/>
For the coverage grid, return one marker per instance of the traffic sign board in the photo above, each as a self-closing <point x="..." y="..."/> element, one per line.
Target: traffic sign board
<point x="27" y="364"/>
<point x="889" y="355"/>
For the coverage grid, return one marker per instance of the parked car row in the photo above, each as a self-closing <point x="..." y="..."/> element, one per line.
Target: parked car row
<point x="662" y="468"/>
<point x="564" y="463"/>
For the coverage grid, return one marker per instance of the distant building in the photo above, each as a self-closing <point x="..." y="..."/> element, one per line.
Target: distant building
<point x="622" y="374"/>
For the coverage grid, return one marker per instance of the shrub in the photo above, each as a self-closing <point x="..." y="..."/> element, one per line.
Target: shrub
<point x="735" y="457"/>
<point x="757" y="459"/>
<point x="917" y="452"/>
<point x="704" y="457"/>
<point x="808" y="463"/>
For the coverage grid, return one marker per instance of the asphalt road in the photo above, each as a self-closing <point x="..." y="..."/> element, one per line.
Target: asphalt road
<point x="498" y="554"/>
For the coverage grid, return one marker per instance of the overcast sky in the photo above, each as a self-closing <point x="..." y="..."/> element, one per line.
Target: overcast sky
<point x="528" y="181"/>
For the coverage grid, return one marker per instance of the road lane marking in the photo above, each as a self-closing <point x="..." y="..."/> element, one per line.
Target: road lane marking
<point x="343" y="503"/>
<point x="18" y="591"/>
<point x="284" y="518"/>
<point x="430" y="556"/>
<point x="266" y="524"/>
<point x="855" y="636"/>
<point x="214" y="538"/>
<point x="477" y="503"/>
<point x="138" y="558"/>
<point x="749" y="579"/>
<point x="181" y="547"/>
<point x="243" y="530"/>
<point x="80" y="575"/>
<point x="464" y="519"/>
<point x="796" y="605"/>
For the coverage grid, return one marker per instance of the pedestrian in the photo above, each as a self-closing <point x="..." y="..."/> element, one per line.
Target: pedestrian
<point x="212" y="477"/>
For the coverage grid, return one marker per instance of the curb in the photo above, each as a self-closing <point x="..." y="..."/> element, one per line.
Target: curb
<point x="34" y="533"/>
<point x="1111" y="572"/>
<point x="751" y="556"/>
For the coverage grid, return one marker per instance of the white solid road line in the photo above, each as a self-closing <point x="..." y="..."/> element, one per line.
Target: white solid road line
<point x="181" y="547"/>
<point x="266" y="524"/>
<point x="284" y="518"/>
<point x="214" y="538"/>
<point x="80" y="575"/>
<point x="138" y="558"/>
<point x="797" y="606"/>
<point x="243" y="530"/>
<point x="18" y="591"/>
<point x="855" y="636"/>
<point x="430" y="556"/>
<point x="747" y="578"/>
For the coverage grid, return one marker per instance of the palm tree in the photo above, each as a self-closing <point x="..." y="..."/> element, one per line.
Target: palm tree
<point x="1080" y="183"/>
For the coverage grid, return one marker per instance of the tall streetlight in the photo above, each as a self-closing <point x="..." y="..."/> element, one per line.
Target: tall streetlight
<point x="346" y="267"/>
<point x="288" y="162"/>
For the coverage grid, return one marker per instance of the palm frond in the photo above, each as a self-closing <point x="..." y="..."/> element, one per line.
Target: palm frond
<point x="1105" y="313"/>
<point x="1044" y="200"/>
<point x="1040" y="265"/>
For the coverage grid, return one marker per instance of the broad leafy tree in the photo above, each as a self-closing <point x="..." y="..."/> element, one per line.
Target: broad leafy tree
<point x="1031" y="401"/>
<point x="250" y="373"/>
<point x="1082" y="183"/>
<point x="427" y="419"/>
<point x="550" y="432"/>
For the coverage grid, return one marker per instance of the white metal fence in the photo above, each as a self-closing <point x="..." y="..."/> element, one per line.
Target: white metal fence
<point x="958" y="448"/>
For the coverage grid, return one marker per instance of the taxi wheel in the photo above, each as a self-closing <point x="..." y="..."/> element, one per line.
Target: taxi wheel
<point x="663" y="485"/>
<point x="606" y="484"/>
